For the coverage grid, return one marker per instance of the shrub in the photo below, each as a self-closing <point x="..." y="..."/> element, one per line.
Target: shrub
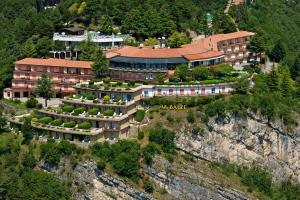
<point x="101" y="164"/>
<point x="90" y="96"/>
<point x="84" y="125"/>
<point x="31" y="102"/>
<point x="119" y="83"/>
<point x="106" y="98"/>
<point x="163" y="137"/>
<point x="200" y="73"/>
<point x="70" y="124"/>
<point x="39" y="106"/>
<point x="149" y="151"/>
<point x="221" y="70"/>
<point x="139" y="115"/>
<point x="141" y="135"/>
<point x="45" y="120"/>
<point x="34" y="119"/>
<point x="68" y="108"/>
<point x="108" y="112"/>
<point x="131" y="83"/>
<point x="93" y="111"/>
<point x="57" y="122"/>
<point x="106" y="79"/>
<point x="190" y="116"/>
<point x="148" y="186"/>
<point x="170" y="118"/>
<point x="79" y="110"/>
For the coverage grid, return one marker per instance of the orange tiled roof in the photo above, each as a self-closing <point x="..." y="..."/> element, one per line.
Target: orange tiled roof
<point x="55" y="62"/>
<point x="199" y="49"/>
<point x="208" y="54"/>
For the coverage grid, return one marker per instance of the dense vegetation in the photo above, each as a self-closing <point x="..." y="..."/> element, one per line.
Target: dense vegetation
<point x="19" y="179"/>
<point x="259" y="180"/>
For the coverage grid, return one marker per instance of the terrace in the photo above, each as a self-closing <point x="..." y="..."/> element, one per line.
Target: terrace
<point x="93" y="114"/>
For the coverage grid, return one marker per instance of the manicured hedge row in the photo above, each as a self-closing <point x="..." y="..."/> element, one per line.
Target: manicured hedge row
<point x="45" y="120"/>
<point x="108" y="112"/>
<point x="79" y="110"/>
<point x="84" y="125"/>
<point x="57" y="122"/>
<point x="67" y="108"/>
<point x="69" y="124"/>
<point x="93" y="111"/>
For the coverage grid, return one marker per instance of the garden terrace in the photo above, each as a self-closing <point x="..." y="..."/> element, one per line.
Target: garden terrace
<point x="116" y="86"/>
<point x="90" y="132"/>
<point x="85" y="116"/>
<point x="79" y="100"/>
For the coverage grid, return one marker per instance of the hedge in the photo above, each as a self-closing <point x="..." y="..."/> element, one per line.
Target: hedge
<point x="108" y="112"/>
<point x="69" y="124"/>
<point x="68" y="108"/>
<point x="139" y="115"/>
<point x="45" y="120"/>
<point x="85" y="125"/>
<point x="57" y="122"/>
<point x="79" y="110"/>
<point x="93" y="111"/>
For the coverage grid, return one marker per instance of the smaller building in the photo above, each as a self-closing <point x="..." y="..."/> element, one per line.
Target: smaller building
<point x="72" y="36"/>
<point x="63" y="73"/>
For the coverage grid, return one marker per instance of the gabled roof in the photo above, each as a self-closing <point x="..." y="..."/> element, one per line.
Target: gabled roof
<point x="55" y="62"/>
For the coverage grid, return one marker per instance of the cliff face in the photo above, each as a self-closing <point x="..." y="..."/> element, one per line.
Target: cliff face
<point x="244" y="141"/>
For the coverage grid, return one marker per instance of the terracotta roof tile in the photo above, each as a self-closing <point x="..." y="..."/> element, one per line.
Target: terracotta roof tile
<point x="55" y="62"/>
<point x="208" y="54"/>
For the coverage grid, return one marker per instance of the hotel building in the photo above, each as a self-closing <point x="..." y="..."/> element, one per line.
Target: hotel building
<point x="63" y="73"/>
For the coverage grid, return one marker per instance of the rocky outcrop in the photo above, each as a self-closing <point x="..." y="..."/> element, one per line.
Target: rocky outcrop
<point x="187" y="182"/>
<point x="89" y="183"/>
<point x="244" y="141"/>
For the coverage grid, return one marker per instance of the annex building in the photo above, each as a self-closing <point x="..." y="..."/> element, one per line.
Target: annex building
<point x="144" y="63"/>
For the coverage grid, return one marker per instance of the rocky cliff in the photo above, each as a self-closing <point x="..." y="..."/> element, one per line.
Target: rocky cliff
<point x="244" y="141"/>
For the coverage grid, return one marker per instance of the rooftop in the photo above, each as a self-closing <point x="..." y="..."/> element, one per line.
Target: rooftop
<point x="55" y="62"/>
<point x="199" y="49"/>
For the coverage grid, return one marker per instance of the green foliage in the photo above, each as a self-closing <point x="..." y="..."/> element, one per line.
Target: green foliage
<point x="151" y="42"/>
<point x="93" y="111"/>
<point x="123" y="155"/>
<point x="44" y="87"/>
<point x="79" y="110"/>
<point x="170" y="118"/>
<point x="57" y="122"/>
<point x="182" y="72"/>
<point x="190" y="116"/>
<point x="149" y="152"/>
<point x="141" y="135"/>
<point x="278" y="52"/>
<point x="69" y="124"/>
<point x="139" y="115"/>
<point x="2" y="122"/>
<point x="164" y="138"/>
<point x="29" y="161"/>
<point x="108" y="112"/>
<point x="221" y="70"/>
<point x="68" y="108"/>
<point x="31" y="102"/>
<point x="257" y="178"/>
<point x="106" y="98"/>
<point x="52" y="152"/>
<point x="200" y="73"/>
<point x="177" y="40"/>
<point x="85" y="125"/>
<point x="148" y="186"/>
<point x="131" y="83"/>
<point x="27" y="130"/>
<point x="101" y="164"/>
<point x="45" y="120"/>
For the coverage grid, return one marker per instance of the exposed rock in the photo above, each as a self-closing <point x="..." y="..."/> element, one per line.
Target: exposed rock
<point x="244" y="141"/>
<point x="189" y="183"/>
<point x="89" y="183"/>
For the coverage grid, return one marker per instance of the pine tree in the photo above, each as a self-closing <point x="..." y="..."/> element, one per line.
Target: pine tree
<point x="295" y="68"/>
<point x="286" y="84"/>
<point x="278" y="52"/>
<point x="273" y="81"/>
<point x="44" y="87"/>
